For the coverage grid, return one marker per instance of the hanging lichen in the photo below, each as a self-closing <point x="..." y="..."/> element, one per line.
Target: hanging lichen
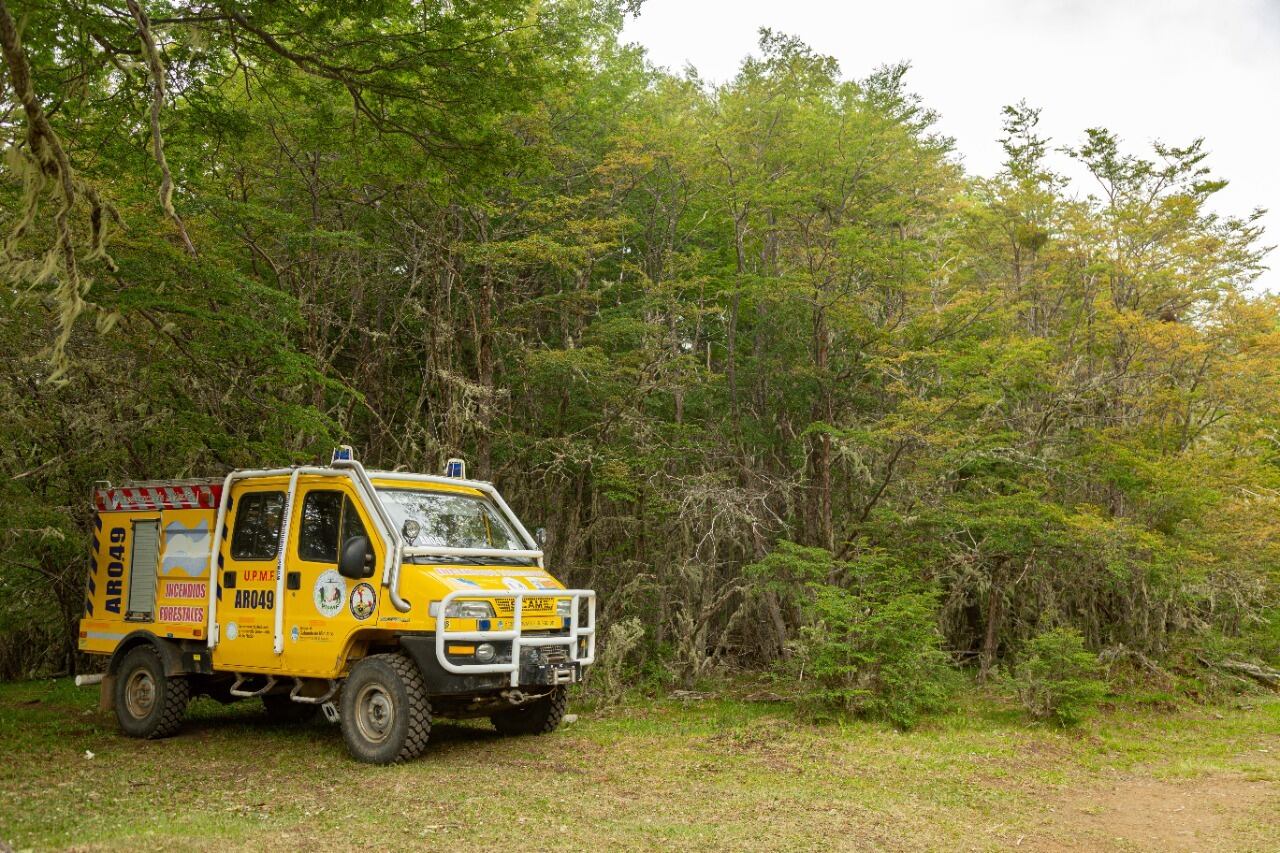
<point x="45" y="169"/>
<point x="156" y="70"/>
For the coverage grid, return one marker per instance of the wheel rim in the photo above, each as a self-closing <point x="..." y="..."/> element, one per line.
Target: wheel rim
<point x="375" y="713"/>
<point x="140" y="693"/>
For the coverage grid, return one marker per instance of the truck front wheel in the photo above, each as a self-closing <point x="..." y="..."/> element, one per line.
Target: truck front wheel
<point x="149" y="704"/>
<point x="385" y="714"/>
<point x="539" y="717"/>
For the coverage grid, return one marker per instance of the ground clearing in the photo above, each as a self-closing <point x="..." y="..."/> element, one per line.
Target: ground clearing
<point x="683" y="776"/>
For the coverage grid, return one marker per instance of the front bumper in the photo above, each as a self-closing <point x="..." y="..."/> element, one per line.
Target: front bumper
<point x="537" y="667"/>
<point x="579" y="642"/>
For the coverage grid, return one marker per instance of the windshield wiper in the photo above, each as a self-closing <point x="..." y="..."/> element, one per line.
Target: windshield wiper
<point x="440" y="558"/>
<point x="471" y="561"/>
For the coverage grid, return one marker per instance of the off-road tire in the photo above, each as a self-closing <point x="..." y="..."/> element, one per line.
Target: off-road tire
<point x="160" y="715"/>
<point x="281" y="709"/>
<point x="385" y="715"/>
<point x="539" y="717"/>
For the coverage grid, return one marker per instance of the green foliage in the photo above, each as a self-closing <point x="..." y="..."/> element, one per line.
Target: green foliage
<point x="1263" y="639"/>
<point x="1057" y="679"/>
<point x="869" y="643"/>
<point x="682" y="324"/>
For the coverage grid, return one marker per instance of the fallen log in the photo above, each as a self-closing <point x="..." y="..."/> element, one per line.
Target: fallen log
<point x="1264" y="675"/>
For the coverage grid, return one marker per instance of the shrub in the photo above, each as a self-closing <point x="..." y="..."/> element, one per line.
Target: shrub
<point x="1058" y="679"/>
<point x="610" y="677"/>
<point x="870" y="642"/>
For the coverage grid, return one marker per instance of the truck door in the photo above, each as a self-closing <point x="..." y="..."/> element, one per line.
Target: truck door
<point x="246" y="607"/>
<point x="321" y="607"/>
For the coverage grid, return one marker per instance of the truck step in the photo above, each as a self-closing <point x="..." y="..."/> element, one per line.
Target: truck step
<point x="241" y="678"/>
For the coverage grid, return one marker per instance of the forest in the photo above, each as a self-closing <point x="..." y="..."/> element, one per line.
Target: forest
<point x="804" y="399"/>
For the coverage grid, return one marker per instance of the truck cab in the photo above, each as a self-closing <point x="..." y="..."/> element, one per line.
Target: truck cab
<point x="385" y="598"/>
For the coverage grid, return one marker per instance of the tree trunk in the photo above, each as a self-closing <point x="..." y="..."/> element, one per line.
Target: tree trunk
<point x="821" y="529"/>
<point x="991" y="639"/>
<point x="484" y="374"/>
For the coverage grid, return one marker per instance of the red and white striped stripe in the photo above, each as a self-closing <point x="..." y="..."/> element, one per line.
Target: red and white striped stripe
<point x="159" y="496"/>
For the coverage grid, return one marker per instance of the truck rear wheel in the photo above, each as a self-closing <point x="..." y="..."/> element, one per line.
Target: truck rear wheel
<point x="539" y="717"/>
<point x="149" y="704"/>
<point x="386" y="717"/>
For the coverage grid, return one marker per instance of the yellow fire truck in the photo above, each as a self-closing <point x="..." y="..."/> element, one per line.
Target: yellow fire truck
<point x="382" y="598"/>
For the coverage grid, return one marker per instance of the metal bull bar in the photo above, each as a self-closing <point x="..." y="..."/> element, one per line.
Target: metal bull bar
<point x="518" y="642"/>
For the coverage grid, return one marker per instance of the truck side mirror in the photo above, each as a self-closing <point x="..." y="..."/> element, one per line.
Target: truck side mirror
<point x="540" y="536"/>
<point x="356" y="559"/>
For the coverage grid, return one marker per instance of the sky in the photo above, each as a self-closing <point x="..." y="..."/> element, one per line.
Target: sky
<point x="1168" y="70"/>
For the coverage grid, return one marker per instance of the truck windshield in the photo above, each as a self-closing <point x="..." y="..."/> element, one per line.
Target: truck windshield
<point x="455" y="521"/>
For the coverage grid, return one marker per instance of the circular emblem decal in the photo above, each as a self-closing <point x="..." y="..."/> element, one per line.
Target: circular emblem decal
<point x="293" y="635"/>
<point x="363" y="601"/>
<point x="233" y="630"/>
<point x="330" y="592"/>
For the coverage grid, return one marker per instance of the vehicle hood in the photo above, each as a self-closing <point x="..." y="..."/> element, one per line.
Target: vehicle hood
<point x="464" y="577"/>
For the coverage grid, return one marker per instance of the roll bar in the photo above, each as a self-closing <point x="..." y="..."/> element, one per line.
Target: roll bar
<point x="391" y="577"/>
<point x="391" y="571"/>
<point x="395" y="548"/>
<point x="215" y="549"/>
<point x="215" y="546"/>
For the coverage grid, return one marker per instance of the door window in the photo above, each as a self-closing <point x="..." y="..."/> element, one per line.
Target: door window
<point x="257" y="533"/>
<point x="329" y="519"/>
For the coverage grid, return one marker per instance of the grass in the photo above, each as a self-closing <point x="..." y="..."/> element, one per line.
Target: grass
<point x="713" y="774"/>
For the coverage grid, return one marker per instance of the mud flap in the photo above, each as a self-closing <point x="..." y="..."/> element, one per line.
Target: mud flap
<point x="107" y="693"/>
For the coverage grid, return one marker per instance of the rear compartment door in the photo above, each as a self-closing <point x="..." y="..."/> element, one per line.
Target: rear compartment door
<point x="143" y="565"/>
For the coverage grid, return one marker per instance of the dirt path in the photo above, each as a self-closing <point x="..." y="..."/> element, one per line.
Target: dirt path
<point x="1170" y="816"/>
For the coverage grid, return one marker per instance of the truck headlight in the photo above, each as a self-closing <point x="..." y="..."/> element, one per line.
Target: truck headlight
<point x="485" y="652"/>
<point x="469" y="610"/>
<point x="564" y="607"/>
